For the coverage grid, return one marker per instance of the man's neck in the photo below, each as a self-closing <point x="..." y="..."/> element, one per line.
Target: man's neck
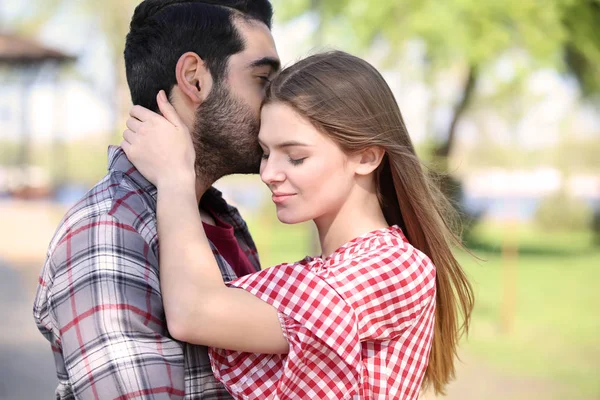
<point x="201" y="188"/>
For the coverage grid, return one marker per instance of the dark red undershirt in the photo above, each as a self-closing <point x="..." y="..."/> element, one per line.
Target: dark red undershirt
<point x="223" y="237"/>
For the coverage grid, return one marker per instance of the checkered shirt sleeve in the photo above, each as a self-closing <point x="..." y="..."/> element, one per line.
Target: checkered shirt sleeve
<point x="325" y="340"/>
<point x="359" y="325"/>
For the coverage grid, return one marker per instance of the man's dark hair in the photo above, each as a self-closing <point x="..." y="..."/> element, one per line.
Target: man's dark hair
<point x="162" y="30"/>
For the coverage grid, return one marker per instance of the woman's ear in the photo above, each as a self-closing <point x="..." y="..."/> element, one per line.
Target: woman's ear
<point x="193" y="78"/>
<point x="368" y="160"/>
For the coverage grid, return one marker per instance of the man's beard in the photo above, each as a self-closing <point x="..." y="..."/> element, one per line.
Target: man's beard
<point x="225" y="137"/>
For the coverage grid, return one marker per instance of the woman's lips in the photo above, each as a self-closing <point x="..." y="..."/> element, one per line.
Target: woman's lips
<point x="279" y="198"/>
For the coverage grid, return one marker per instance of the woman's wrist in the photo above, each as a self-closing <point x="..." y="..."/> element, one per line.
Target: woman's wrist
<point x="180" y="183"/>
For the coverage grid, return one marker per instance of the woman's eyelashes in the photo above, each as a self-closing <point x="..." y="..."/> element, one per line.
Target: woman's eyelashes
<point x="296" y="161"/>
<point x="293" y="161"/>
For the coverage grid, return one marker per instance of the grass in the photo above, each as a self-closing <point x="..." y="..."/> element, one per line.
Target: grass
<point x="551" y="331"/>
<point x="554" y="322"/>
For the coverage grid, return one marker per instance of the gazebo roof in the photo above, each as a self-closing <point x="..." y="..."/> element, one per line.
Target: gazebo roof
<point x="19" y="50"/>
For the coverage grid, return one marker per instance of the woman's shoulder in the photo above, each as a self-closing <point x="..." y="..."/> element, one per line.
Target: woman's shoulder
<point x="387" y="262"/>
<point x="387" y="248"/>
<point x="388" y="284"/>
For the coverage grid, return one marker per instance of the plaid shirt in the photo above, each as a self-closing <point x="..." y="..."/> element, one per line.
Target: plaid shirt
<point x="359" y="325"/>
<point x="99" y="302"/>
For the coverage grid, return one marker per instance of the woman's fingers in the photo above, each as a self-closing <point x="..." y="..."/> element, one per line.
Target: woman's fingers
<point x="133" y="124"/>
<point x="126" y="146"/>
<point x="167" y="109"/>
<point x="141" y="113"/>
<point x="129" y="136"/>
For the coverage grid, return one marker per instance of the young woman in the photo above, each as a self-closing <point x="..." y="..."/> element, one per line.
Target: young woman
<point x="380" y="312"/>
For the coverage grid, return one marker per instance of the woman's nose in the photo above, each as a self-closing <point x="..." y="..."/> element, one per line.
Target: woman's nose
<point x="270" y="173"/>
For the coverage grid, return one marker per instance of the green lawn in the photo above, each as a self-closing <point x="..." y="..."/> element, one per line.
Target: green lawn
<point x="555" y="320"/>
<point x="554" y="324"/>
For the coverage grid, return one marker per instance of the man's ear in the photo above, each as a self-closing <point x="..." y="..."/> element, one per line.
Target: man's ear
<point x="193" y="78"/>
<point x="368" y="160"/>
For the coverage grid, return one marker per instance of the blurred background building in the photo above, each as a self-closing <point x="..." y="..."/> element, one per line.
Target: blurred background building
<point x="503" y="97"/>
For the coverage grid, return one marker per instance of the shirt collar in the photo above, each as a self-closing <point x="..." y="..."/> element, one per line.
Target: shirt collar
<point x="118" y="162"/>
<point x="357" y="245"/>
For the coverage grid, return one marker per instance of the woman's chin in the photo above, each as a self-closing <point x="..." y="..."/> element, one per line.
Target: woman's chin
<point x="286" y="217"/>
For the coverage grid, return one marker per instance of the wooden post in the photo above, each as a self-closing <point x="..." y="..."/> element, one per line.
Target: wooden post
<point x="510" y="257"/>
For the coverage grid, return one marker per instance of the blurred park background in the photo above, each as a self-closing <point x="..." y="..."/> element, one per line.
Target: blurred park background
<point x="503" y="96"/>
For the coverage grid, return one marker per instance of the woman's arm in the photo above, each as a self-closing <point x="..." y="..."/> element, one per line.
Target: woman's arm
<point x="198" y="306"/>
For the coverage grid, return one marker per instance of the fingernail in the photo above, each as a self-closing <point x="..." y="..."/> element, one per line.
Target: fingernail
<point x="163" y="96"/>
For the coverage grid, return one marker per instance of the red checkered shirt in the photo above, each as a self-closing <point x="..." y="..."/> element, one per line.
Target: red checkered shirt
<point x="99" y="302"/>
<point x="359" y="325"/>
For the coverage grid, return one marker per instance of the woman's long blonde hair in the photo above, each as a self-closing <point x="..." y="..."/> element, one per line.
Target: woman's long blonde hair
<point x="347" y="99"/>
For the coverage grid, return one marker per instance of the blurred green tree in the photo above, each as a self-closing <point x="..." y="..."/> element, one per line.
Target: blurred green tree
<point x="562" y="212"/>
<point x="470" y="34"/>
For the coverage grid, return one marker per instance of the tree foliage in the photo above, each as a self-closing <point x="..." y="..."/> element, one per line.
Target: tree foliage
<point x="470" y="33"/>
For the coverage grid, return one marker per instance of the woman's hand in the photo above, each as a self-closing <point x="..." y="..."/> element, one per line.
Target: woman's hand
<point x="160" y="147"/>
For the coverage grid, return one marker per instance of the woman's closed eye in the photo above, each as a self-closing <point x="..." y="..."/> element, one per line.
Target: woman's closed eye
<point x="296" y="161"/>
<point x="292" y="160"/>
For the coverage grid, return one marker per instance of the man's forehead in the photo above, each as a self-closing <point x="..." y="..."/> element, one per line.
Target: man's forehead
<point x="258" y="43"/>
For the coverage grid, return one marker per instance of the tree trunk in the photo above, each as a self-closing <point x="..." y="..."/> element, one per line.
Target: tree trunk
<point x="450" y="186"/>
<point x="444" y="149"/>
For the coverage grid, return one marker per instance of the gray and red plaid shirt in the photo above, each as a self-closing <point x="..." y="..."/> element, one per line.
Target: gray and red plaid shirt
<point x="99" y="302"/>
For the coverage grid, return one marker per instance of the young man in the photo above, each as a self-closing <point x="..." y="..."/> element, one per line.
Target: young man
<point x="99" y="300"/>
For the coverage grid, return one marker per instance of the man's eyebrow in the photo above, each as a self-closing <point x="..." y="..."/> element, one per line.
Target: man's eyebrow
<point x="274" y="63"/>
